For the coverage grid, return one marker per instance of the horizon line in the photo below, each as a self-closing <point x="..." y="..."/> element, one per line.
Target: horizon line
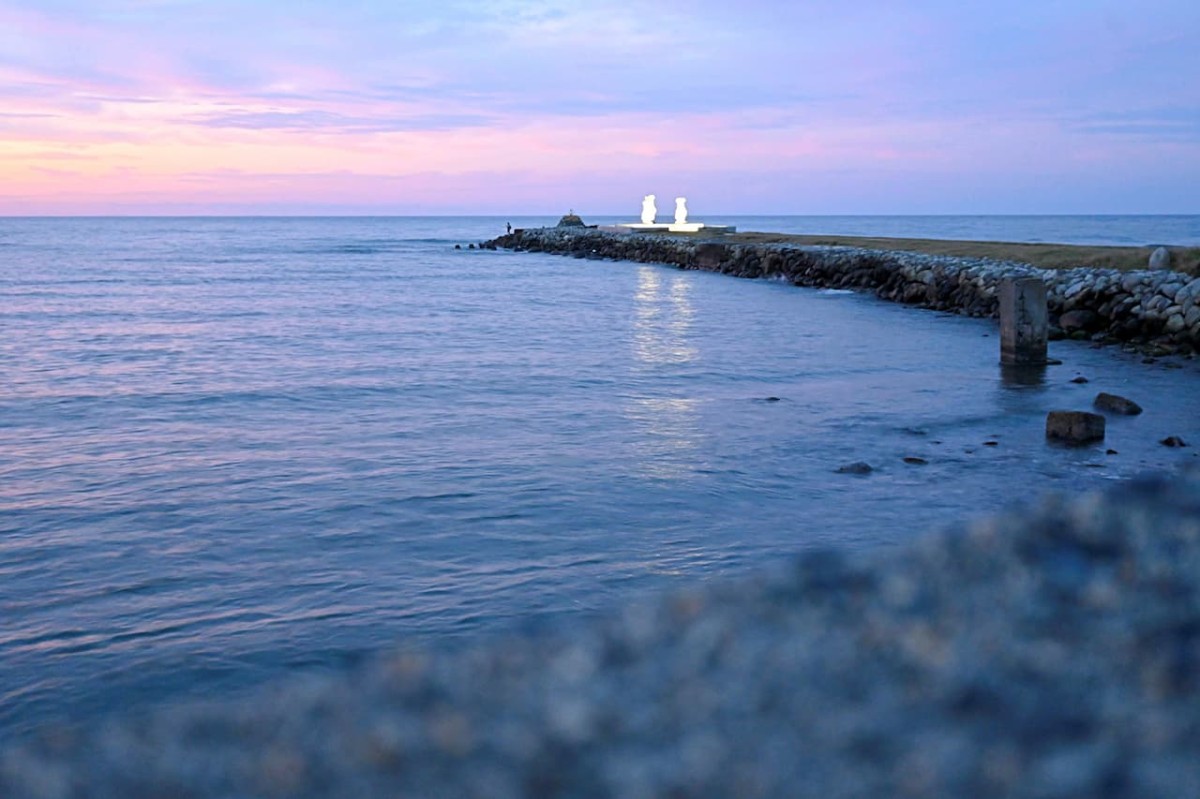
<point x="525" y="214"/>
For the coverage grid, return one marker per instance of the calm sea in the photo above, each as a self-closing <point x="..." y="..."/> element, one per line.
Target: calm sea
<point x="231" y="449"/>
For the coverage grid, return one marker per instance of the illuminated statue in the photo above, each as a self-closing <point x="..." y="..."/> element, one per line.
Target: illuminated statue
<point x="680" y="225"/>
<point x="648" y="210"/>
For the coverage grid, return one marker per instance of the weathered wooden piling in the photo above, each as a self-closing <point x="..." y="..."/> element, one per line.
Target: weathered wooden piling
<point x="1024" y="323"/>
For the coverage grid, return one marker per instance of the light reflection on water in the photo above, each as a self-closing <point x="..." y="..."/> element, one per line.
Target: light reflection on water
<point x="663" y="319"/>
<point x="668" y="432"/>
<point x="233" y="448"/>
<point x="670" y="435"/>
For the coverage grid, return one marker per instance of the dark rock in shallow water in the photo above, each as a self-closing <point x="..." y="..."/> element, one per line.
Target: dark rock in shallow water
<point x="915" y="461"/>
<point x="1079" y="379"/>
<point x="858" y="467"/>
<point x="1173" y="441"/>
<point x="1117" y="404"/>
<point x="1074" y="427"/>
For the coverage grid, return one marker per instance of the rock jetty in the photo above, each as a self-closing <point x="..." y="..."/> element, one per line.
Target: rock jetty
<point x="1157" y="310"/>
<point x="1052" y="653"/>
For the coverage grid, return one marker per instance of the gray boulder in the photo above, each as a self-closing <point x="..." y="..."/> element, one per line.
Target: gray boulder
<point x="858" y="467"/>
<point x="1081" y="319"/>
<point x="1160" y="259"/>
<point x="1114" y="403"/>
<point x="710" y="256"/>
<point x="1074" y="427"/>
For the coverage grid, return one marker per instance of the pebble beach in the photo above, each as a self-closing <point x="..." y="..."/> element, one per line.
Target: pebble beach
<point x="1050" y="652"/>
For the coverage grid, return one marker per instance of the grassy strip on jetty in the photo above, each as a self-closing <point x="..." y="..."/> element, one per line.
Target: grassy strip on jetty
<point x="1044" y="256"/>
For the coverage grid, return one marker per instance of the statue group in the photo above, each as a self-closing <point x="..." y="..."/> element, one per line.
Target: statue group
<point x="650" y="211"/>
<point x="680" y="225"/>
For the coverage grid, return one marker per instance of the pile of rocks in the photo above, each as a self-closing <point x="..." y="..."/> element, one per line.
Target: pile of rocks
<point x="1045" y="654"/>
<point x="1159" y="309"/>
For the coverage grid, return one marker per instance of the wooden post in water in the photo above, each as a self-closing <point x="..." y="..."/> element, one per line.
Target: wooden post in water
<point x="1024" y="325"/>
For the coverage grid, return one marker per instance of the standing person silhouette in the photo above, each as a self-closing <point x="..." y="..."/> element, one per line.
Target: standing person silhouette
<point x="509" y="225"/>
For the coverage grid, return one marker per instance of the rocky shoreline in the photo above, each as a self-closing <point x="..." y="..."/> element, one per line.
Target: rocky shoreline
<point x="1151" y="310"/>
<point x="1048" y="653"/>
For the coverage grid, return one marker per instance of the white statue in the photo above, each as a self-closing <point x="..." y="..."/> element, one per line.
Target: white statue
<point x="681" y="210"/>
<point x="648" y="210"/>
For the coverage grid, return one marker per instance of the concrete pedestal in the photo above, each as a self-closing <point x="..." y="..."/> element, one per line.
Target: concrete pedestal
<point x="1024" y="323"/>
<point x="686" y="227"/>
<point x="645" y="227"/>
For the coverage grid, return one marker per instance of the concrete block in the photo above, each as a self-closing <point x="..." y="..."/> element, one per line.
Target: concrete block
<point x="1024" y="322"/>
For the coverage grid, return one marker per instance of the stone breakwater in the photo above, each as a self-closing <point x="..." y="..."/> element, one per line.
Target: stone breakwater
<point x="1152" y="309"/>
<point x="1051" y="653"/>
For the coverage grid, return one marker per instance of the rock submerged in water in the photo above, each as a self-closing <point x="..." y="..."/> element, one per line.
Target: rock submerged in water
<point x="1074" y="427"/>
<point x="1173" y="441"/>
<point x="1117" y="404"/>
<point x="858" y="467"/>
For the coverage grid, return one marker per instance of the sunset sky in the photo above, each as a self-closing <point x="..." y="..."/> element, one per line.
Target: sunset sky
<point x="492" y="106"/>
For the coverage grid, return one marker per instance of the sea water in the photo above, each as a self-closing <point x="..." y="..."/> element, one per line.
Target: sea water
<point x="234" y="449"/>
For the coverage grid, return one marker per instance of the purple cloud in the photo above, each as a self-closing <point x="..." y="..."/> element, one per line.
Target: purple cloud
<point x="905" y="105"/>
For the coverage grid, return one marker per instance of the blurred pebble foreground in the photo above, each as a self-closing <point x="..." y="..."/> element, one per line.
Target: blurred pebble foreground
<point x="1052" y="652"/>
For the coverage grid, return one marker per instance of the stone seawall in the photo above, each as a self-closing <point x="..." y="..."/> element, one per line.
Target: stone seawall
<point x="1157" y="310"/>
